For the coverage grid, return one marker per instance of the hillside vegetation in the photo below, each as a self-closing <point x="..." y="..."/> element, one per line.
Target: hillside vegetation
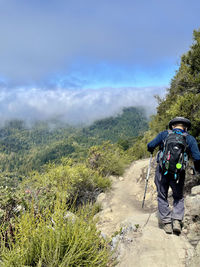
<point x="130" y="123"/>
<point x="24" y="149"/>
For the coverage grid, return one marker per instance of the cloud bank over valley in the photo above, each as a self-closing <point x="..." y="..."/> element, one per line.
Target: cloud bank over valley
<point x="73" y="106"/>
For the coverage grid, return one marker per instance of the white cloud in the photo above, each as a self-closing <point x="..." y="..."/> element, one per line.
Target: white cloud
<point x="73" y="106"/>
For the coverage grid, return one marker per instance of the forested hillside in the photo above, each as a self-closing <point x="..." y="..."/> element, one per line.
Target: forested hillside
<point x="23" y="148"/>
<point x="130" y="123"/>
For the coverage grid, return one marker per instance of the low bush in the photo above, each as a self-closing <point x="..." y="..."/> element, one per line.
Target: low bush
<point x="74" y="183"/>
<point x="54" y="239"/>
<point x="108" y="159"/>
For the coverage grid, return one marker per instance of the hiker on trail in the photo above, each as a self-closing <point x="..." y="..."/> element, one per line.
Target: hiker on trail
<point x="175" y="145"/>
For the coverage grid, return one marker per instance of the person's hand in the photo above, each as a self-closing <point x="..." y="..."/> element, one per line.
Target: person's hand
<point x="150" y="149"/>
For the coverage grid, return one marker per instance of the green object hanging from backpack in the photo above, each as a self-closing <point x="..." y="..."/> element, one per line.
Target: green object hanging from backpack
<point x="173" y="158"/>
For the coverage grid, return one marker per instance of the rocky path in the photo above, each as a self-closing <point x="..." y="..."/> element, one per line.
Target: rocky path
<point x="138" y="239"/>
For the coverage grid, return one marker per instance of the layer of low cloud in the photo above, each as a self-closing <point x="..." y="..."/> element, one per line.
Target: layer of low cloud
<point x="73" y="106"/>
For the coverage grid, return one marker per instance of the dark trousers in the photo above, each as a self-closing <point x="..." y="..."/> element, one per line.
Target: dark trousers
<point x="163" y="182"/>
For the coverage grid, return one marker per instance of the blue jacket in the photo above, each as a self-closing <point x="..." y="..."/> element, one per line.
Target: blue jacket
<point x="191" y="141"/>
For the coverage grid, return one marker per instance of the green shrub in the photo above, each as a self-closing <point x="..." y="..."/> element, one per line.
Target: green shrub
<point x="54" y="239"/>
<point x="70" y="182"/>
<point x="108" y="159"/>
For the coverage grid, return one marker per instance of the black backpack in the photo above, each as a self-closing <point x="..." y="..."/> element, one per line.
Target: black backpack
<point x="173" y="158"/>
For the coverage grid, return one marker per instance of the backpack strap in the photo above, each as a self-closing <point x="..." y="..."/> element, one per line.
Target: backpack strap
<point x="179" y="132"/>
<point x="169" y="132"/>
<point x="185" y="134"/>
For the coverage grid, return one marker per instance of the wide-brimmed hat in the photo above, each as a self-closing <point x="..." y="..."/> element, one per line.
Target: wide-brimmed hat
<point x="181" y="120"/>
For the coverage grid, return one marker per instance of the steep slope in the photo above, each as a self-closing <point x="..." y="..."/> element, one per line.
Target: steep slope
<point x="141" y="242"/>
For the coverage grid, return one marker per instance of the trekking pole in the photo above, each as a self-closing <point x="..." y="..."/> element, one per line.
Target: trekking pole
<point x="147" y="179"/>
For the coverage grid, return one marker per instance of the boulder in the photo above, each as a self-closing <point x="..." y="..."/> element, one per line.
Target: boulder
<point x="193" y="233"/>
<point x="101" y="197"/>
<point x="196" y="259"/>
<point x="192" y="216"/>
<point x="192" y="204"/>
<point x="195" y="190"/>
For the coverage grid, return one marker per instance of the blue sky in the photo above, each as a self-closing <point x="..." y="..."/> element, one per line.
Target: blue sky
<point x="92" y="45"/>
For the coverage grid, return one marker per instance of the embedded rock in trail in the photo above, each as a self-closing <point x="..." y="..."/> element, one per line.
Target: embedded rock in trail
<point x="135" y="232"/>
<point x="196" y="259"/>
<point x="192" y="216"/>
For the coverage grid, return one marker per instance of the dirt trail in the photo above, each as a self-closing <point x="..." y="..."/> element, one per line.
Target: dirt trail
<point x="140" y="241"/>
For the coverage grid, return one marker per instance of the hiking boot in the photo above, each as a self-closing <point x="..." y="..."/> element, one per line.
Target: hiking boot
<point x="177" y="226"/>
<point x="167" y="228"/>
